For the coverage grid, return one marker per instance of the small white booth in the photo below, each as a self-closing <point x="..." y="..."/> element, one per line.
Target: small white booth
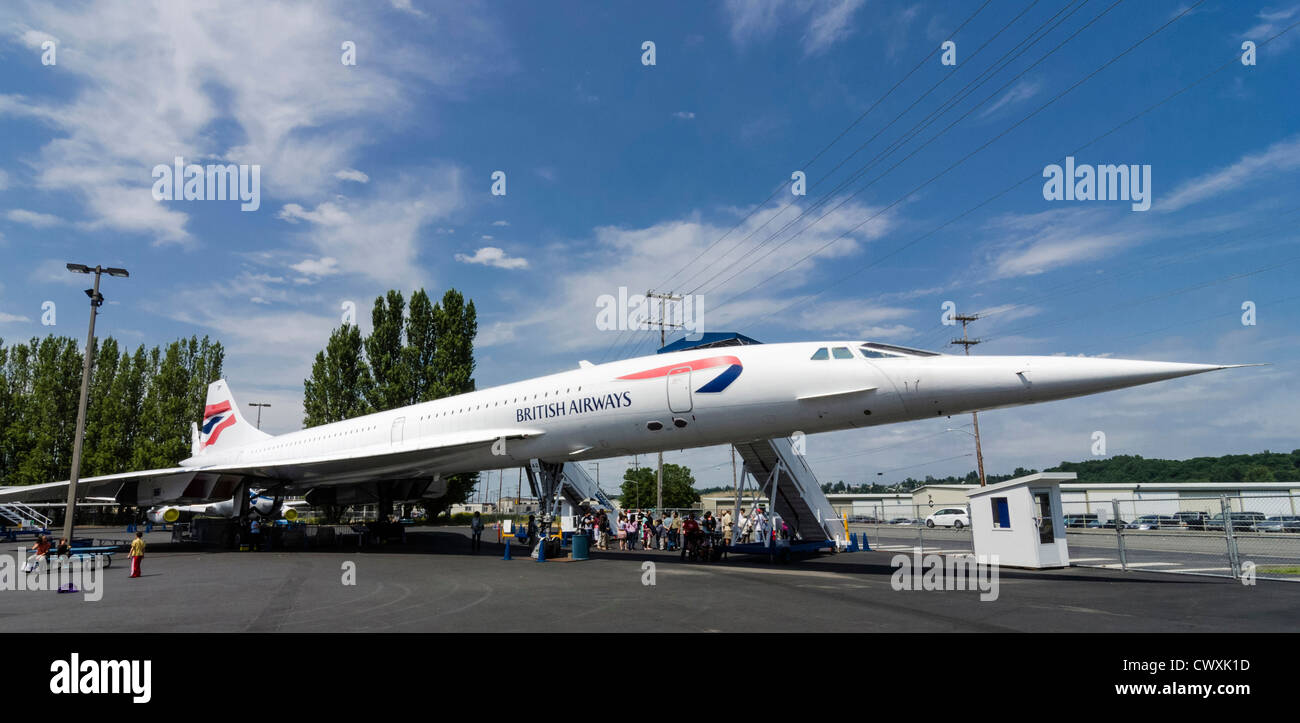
<point x="1020" y="521"/>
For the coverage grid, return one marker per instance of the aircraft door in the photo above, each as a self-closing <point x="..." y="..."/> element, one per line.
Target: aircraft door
<point x="398" y="425"/>
<point x="679" y="390"/>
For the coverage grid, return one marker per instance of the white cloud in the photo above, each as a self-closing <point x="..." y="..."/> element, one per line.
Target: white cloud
<point x="639" y="258"/>
<point x="324" y="266"/>
<point x="684" y="115"/>
<point x="493" y="256"/>
<point x="1270" y="23"/>
<point x="351" y="174"/>
<point x="1021" y="91"/>
<point x="379" y="238"/>
<point x="826" y="23"/>
<point x="6" y="318"/>
<point x="4" y="180"/>
<point x="1280" y="157"/>
<point x="1030" y="244"/>
<point x="32" y="218"/>
<point x="155" y="84"/>
<point x="500" y="223"/>
<point x="830" y="24"/>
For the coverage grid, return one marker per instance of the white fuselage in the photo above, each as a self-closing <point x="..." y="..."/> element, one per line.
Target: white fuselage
<point x="612" y="409"/>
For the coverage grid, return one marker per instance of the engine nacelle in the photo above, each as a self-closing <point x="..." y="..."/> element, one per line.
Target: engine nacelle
<point x="163" y="515"/>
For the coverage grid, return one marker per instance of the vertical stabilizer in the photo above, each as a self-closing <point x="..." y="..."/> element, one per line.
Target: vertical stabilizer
<point x="223" y="426"/>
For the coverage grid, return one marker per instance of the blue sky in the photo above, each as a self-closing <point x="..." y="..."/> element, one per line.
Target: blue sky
<point x="378" y="175"/>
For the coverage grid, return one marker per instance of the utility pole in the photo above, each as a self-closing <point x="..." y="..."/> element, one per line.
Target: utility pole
<point x="259" y="406"/>
<point x="968" y="342"/>
<point x="96" y="300"/>
<point x="663" y="326"/>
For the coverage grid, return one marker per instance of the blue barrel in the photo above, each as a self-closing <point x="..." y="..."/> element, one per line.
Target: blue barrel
<point x="581" y="547"/>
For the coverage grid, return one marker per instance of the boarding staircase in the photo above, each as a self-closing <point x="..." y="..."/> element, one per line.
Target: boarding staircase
<point x="576" y="486"/>
<point x="788" y="481"/>
<point x="21" y="515"/>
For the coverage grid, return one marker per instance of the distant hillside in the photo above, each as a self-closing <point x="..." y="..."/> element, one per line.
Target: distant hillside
<point x="1259" y="467"/>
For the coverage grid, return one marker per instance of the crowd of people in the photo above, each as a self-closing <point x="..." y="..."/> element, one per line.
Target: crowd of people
<point x="646" y="530"/>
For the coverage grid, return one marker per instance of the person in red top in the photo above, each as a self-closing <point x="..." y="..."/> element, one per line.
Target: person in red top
<point x="690" y="533"/>
<point x="41" y="551"/>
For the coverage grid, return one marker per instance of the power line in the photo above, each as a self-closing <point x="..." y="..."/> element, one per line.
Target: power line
<point x="915" y="129"/>
<point x="1139" y="267"/>
<point x="1031" y="176"/>
<point x="966" y="157"/>
<point x="844" y="160"/>
<point x="781" y="186"/>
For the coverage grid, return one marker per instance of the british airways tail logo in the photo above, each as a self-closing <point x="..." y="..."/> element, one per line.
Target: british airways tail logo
<point x="719" y="383"/>
<point x="216" y="417"/>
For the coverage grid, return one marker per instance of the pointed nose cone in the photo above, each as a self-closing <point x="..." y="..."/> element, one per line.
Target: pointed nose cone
<point x="1062" y="377"/>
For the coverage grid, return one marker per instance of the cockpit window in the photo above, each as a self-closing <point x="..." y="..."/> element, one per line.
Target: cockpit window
<point x="873" y="354"/>
<point x="842" y="352"/>
<point x="874" y="346"/>
<point x="820" y="354"/>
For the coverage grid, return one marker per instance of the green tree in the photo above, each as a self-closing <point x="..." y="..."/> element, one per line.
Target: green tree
<point x="1259" y="473"/>
<point x="164" y="439"/>
<point x="455" y="326"/>
<point x="340" y="380"/>
<point x="640" y="487"/>
<point x="391" y="388"/>
<point x="101" y="411"/>
<point x="50" y="415"/>
<point x="419" y="355"/>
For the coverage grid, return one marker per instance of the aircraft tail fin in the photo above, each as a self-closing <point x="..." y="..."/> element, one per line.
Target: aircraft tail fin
<point x="223" y="425"/>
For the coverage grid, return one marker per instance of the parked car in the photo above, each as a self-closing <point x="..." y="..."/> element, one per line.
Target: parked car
<point x="1108" y="524"/>
<point x="1278" y="523"/>
<point x="901" y="521"/>
<point x="954" y="517"/>
<point x="1153" y="522"/>
<point x="1079" y="520"/>
<point x="1241" y="521"/>
<point x="1192" y="520"/>
<point x="863" y="520"/>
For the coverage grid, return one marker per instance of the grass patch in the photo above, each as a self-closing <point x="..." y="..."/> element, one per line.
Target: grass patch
<point x="1278" y="569"/>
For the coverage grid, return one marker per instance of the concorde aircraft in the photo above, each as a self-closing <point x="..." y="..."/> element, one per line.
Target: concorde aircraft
<point x="669" y="401"/>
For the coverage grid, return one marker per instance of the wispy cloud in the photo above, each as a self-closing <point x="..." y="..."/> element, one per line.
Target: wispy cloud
<point x="1030" y="244"/>
<point x="493" y="256"/>
<point x="351" y="174"/>
<point x="32" y="218"/>
<point x="826" y="23"/>
<point x="1021" y="91"/>
<point x="1280" y="157"/>
<point x="196" y="80"/>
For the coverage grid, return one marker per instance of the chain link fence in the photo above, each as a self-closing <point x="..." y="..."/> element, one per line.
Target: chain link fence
<point x="1232" y="536"/>
<point x="1226" y="535"/>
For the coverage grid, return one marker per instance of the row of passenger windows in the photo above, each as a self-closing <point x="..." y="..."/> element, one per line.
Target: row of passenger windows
<point x="305" y="440"/>
<point x="499" y="403"/>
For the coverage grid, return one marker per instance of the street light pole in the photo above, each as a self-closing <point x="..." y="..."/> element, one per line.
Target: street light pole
<point x="259" y="406"/>
<point x="96" y="299"/>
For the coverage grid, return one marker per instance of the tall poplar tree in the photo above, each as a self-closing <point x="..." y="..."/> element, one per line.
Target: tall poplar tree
<point x="340" y="380"/>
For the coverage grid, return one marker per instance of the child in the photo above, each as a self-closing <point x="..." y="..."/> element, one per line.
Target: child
<point x="137" y="553"/>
